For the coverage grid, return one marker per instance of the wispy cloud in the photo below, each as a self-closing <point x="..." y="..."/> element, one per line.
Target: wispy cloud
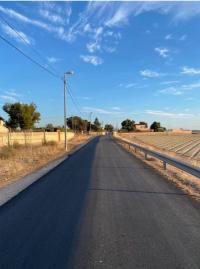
<point x="9" y="96"/>
<point x="116" y="108"/>
<point x="56" y="18"/>
<point x="93" y="46"/>
<point x="128" y="85"/>
<point x="183" y="38"/>
<point x="95" y="60"/>
<point x="149" y="73"/>
<point x="160" y="113"/>
<point x="163" y="52"/>
<point x="171" y="91"/>
<point x="180" y="89"/>
<point x="100" y="111"/>
<point x="169" y="37"/>
<point x="18" y="36"/>
<point x="84" y="97"/>
<point x="169" y="82"/>
<point x="190" y="71"/>
<point x="53" y="60"/>
<point x="58" y="30"/>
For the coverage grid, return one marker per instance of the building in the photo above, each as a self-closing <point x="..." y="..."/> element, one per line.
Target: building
<point x="3" y="129"/>
<point x="141" y="127"/>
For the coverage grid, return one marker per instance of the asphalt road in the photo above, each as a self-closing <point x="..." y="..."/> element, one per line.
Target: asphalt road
<point x="102" y="208"/>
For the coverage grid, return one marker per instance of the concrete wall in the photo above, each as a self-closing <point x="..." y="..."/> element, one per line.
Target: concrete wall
<point x="24" y="138"/>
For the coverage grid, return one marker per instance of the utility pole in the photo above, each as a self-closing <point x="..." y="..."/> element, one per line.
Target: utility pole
<point x="65" y="108"/>
<point x="90" y="122"/>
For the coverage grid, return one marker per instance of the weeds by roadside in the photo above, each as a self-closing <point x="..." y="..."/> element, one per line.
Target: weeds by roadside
<point x="19" y="160"/>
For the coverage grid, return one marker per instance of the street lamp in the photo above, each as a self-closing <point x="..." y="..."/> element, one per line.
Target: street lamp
<point x="68" y="73"/>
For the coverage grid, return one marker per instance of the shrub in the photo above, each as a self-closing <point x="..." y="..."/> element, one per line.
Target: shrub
<point x="51" y="143"/>
<point x="16" y="145"/>
<point x="6" y="152"/>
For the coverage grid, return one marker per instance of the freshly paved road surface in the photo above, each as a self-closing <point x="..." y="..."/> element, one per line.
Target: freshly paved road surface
<point x="102" y="208"/>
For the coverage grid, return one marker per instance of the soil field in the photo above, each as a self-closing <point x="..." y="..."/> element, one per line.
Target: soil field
<point x="186" y="146"/>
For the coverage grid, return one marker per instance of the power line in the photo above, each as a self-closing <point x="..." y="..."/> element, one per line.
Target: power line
<point x="75" y="102"/>
<point x="25" y="41"/>
<point x="28" y="57"/>
<point x="39" y="65"/>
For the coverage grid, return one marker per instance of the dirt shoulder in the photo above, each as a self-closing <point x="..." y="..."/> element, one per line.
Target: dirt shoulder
<point x="19" y="161"/>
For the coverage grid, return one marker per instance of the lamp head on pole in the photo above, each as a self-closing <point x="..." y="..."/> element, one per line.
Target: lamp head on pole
<point x="69" y="73"/>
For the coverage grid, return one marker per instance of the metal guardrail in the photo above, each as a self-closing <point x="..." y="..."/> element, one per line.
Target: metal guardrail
<point x="190" y="169"/>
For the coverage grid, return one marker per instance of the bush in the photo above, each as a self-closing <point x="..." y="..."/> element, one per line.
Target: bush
<point x="51" y="143"/>
<point x="16" y="145"/>
<point x="6" y="152"/>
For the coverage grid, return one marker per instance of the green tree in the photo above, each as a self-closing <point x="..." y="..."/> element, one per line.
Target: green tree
<point x="77" y="123"/>
<point x="128" y="125"/>
<point x="96" y="125"/>
<point x="109" y="127"/>
<point x="49" y="127"/>
<point x="156" y="126"/>
<point x="23" y="116"/>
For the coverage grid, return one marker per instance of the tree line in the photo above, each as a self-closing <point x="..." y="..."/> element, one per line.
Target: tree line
<point x="24" y="117"/>
<point x="129" y="125"/>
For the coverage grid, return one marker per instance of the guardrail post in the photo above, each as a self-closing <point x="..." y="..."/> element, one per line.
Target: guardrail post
<point x="164" y="165"/>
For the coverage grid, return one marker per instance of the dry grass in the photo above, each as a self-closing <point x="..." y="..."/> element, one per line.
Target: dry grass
<point x="188" y="183"/>
<point x="20" y="160"/>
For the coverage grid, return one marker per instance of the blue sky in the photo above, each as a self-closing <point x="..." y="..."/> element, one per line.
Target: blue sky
<point x="137" y="60"/>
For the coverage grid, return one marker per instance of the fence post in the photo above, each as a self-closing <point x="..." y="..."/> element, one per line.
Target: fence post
<point x="44" y="137"/>
<point x="145" y="155"/>
<point x="25" y="138"/>
<point x="58" y="135"/>
<point x="9" y="138"/>
<point x="164" y="165"/>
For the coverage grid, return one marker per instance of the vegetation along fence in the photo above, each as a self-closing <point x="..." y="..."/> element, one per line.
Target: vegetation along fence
<point x="25" y="138"/>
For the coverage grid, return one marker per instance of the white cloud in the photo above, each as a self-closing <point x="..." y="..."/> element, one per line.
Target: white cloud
<point x="169" y="82"/>
<point x="168" y="37"/>
<point x="181" y="89"/>
<point x="163" y="52"/>
<point x="100" y="110"/>
<point x="116" y="108"/>
<point x="190" y="71"/>
<point x="120" y="17"/>
<point x="149" y="73"/>
<point x="183" y="38"/>
<point x="109" y="49"/>
<point x="84" y="97"/>
<point x="8" y="98"/>
<point x="171" y="91"/>
<point x="56" y="18"/>
<point x="58" y="30"/>
<point x="12" y="93"/>
<point x="93" y="47"/>
<point x="52" y="60"/>
<point x="169" y="115"/>
<point x="17" y="35"/>
<point x="95" y="60"/>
